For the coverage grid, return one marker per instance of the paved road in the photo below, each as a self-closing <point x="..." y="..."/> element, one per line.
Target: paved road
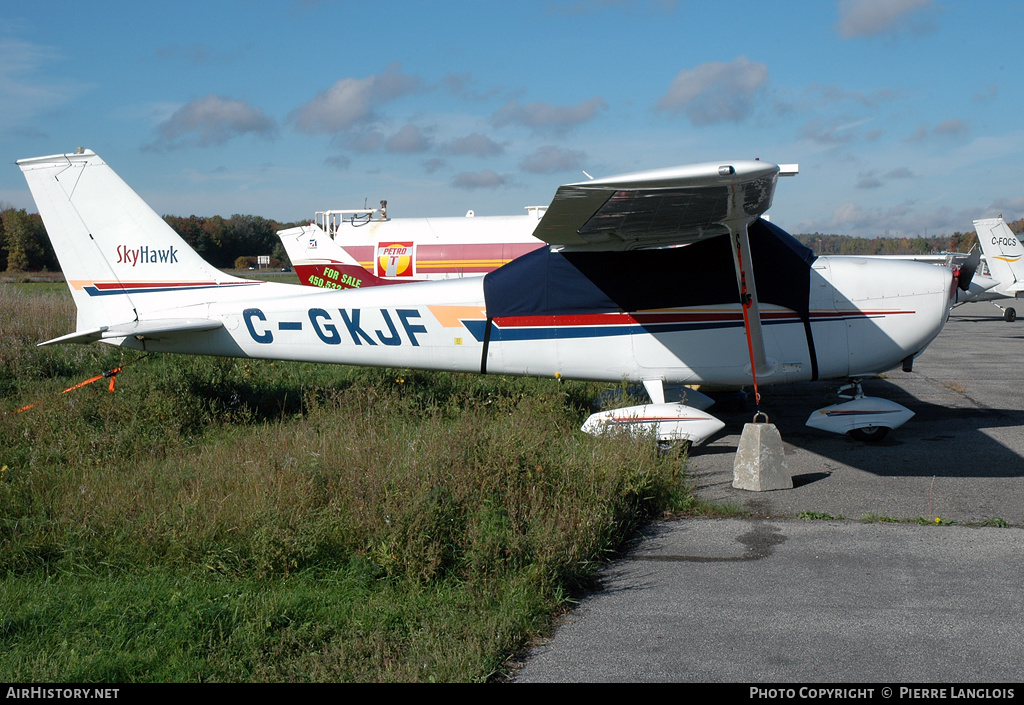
<point x="959" y="458"/>
<point x="776" y="599"/>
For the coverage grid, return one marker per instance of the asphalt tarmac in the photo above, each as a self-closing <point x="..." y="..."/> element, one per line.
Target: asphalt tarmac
<point x="895" y="562"/>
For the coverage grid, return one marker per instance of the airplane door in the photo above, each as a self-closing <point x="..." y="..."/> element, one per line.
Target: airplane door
<point x="829" y="327"/>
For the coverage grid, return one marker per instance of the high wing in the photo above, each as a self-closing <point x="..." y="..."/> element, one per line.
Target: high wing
<point x="667" y="207"/>
<point x="659" y="208"/>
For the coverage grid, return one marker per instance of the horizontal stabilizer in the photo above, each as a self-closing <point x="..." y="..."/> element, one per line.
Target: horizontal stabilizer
<point x="148" y="330"/>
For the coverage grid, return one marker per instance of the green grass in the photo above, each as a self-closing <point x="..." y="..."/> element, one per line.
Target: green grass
<point x="236" y="520"/>
<point x="343" y="624"/>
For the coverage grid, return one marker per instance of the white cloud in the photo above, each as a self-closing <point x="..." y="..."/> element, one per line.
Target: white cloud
<point x="213" y="120"/>
<point x="409" y="140"/>
<point x="557" y="119"/>
<point x="830" y="94"/>
<point x="986" y="93"/>
<point x="951" y="128"/>
<point x="906" y="219"/>
<point x="900" y="173"/>
<point x="871" y="179"/>
<point x="432" y="165"/>
<point x="716" y="92"/>
<point x="479" y="179"/>
<point x="840" y="133"/>
<point x="549" y="159"/>
<point x="865" y="18"/>
<point x="352" y="101"/>
<point x="340" y="162"/>
<point x="852" y="218"/>
<point x="476" y="144"/>
<point x="463" y="85"/>
<point x="1009" y="208"/>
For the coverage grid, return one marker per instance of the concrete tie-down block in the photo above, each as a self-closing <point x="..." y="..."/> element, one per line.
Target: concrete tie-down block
<point x="760" y="459"/>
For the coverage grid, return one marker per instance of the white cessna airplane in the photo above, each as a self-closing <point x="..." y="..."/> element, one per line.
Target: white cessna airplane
<point x="1002" y="276"/>
<point x="610" y="299"/>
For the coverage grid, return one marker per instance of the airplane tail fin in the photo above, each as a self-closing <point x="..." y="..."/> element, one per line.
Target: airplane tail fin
<point x="320" y="261"/>
<point x="120" y="258"/>
<point x="1003" y="252"/>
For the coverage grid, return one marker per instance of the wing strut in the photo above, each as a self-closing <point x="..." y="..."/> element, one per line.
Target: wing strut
<point x="759" y="362"/>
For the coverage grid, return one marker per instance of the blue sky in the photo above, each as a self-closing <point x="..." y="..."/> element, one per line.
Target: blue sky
<point x="904" y="115"/>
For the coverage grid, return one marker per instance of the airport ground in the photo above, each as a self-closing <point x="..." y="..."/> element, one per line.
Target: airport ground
<point x="895" y="562"/>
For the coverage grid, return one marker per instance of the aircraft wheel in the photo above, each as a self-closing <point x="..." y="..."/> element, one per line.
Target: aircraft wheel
<point x="869" y="434"/>
<point x="1010" y="315"/>
<point x="676" y="449"/>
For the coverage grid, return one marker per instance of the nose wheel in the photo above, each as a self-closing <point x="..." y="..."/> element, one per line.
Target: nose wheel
<point x="868" y="434"/>
<point x="865" y="434"/>
<point x="866" y="419"/>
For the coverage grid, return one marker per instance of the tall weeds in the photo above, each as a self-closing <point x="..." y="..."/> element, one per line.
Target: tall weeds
<point x="303" y="522"/>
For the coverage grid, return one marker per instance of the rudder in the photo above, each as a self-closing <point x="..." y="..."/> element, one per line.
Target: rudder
<point x="1003" y="253"/>
<point x="118" y="256"/>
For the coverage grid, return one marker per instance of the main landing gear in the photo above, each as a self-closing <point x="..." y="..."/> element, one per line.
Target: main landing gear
<point x="1009" y="312"/>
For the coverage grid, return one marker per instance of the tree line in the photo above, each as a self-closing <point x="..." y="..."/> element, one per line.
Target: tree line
<point x="823" y="244"/>
<point x="225" y="243"/>
<point x="237" y="241"/>
<point x="24" y="246"/>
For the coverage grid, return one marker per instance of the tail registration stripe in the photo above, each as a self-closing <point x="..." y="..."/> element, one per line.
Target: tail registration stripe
<point x="109" y="288"/>
<point x="596" y="325"/>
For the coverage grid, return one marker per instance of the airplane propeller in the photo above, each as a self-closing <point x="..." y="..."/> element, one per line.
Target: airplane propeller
<point x="966" y="272"/>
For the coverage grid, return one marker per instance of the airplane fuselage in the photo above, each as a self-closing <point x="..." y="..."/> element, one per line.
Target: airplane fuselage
<point x="862" y="321"/>
<point x="663" y="276"/>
